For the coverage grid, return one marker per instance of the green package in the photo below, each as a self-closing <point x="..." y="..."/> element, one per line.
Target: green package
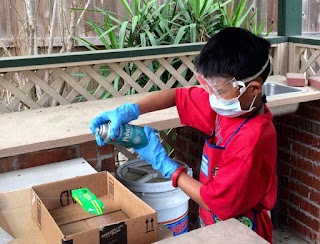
<point x="88" y="201"/>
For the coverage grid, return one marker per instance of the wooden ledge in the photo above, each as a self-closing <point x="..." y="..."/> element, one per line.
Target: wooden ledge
<point x="41" y="129"/>
<point x="66" y="125"/>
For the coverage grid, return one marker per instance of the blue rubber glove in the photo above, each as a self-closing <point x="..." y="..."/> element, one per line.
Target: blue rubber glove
<point x="156" y="155"/>
<point x="121" y="115"/>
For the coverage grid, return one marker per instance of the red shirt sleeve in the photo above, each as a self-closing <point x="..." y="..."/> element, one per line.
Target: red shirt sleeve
<point x="194" y="109"/>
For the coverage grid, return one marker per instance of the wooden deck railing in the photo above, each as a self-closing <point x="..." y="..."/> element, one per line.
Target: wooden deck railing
<point x="49" y="80"/>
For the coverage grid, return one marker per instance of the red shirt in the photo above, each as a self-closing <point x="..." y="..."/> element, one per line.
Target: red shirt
<point x="246" y="177"/>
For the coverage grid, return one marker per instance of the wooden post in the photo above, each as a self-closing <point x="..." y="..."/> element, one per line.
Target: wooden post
<point x="289" y="17"/>
<point x="290" y="24"/>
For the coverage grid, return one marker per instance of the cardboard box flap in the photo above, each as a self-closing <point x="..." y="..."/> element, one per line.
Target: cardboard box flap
<point x="18" y="217"/>
<point x="132" y="206"/>
<point x="11" y="200"/>
<point x="15" y="199"/>
<point x="5" y="230"/>
<point x="57" y="194"/>
<point x="44" y="219"/>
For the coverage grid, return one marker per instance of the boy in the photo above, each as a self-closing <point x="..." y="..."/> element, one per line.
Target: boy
<point x="238" y="169"/>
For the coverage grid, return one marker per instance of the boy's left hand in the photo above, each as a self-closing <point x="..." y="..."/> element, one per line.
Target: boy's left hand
<point x="156" y="155"/>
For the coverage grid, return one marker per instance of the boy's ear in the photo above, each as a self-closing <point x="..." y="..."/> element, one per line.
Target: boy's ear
<point x="255" y="87"/>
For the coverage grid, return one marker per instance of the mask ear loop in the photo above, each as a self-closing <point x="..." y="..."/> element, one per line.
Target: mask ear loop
<point x="243" y="91"/>
<point x="254" y="99"/>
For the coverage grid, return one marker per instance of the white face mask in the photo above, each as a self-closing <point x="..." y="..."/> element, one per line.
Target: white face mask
<point x="230" y="108"/>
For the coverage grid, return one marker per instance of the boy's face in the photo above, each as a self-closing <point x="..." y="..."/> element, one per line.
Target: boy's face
<point x="228" y="88"/>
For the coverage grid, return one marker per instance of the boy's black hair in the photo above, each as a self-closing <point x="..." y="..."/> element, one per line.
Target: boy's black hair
<point x="234" y="52"/>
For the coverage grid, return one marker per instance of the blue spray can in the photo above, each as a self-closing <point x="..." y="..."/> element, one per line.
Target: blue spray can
<point x="128" y="135"/>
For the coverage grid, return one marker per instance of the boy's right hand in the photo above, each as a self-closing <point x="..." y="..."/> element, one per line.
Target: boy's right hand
<point x="121" y="115"/>
<point x="155" y="154"/>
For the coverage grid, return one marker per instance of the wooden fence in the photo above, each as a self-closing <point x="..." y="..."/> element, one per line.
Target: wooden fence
<point x="13" y="17"/>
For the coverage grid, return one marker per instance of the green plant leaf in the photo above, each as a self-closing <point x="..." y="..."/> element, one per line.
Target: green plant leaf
<point x="238" y="12"/>
<point x="137" y="6"/>
<point x="255" y="24"/>
<point x="122" y="36"/>
<point x="205" y="6"/>
<point x="231" y="10"/>
<point x="85" y="43"/>
<point x="115" y="19"/>
<point x="225" y="21"/>
<point x="194" y="4"/>
<point x="106" y="95"/>
<point x="268" y="32"/>
<point x="143" y="39"/>
<point x="241" y="19"/>
<point x="135" y="20"/>
<point x="79" y="75"/>
<point x="184" y="11"/>
<point x="260" y="29"/>
<point x="101" y="37"/>
<point x="151" y="38"/>
<point x="107" y="31"/>
<point x="111" y="34"/>
<point x="127" y="6"/>
<point x="180" y="34"/>
<point x="164" y="23"/>
<point x="193" y="33"/>
<point x="116" y="83"/>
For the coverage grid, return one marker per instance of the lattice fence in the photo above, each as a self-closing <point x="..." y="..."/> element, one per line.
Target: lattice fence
<point x="92" y="82"/>
<point x="56" y="84"/>
<point x="305" y="59"/>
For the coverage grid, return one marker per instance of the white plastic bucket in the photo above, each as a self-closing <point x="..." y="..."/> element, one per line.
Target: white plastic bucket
<point x="150" y="186"/>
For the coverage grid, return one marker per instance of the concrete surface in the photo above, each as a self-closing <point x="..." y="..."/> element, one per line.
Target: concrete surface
<point x="5" y="237"/>
<point x="286" y="236"/>
<point x="225" y="232"/>
<point x="25" y="178"/>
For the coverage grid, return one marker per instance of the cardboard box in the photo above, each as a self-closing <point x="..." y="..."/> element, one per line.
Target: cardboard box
<point x="15" y="211"/>
<point x="126" y="218"/>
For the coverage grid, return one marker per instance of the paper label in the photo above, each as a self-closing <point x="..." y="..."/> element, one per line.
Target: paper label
<point x="116" y="233"/>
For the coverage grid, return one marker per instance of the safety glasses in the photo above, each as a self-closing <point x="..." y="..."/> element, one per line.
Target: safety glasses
<point x="227" y="88"/>
<point x="221" y="87"/>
